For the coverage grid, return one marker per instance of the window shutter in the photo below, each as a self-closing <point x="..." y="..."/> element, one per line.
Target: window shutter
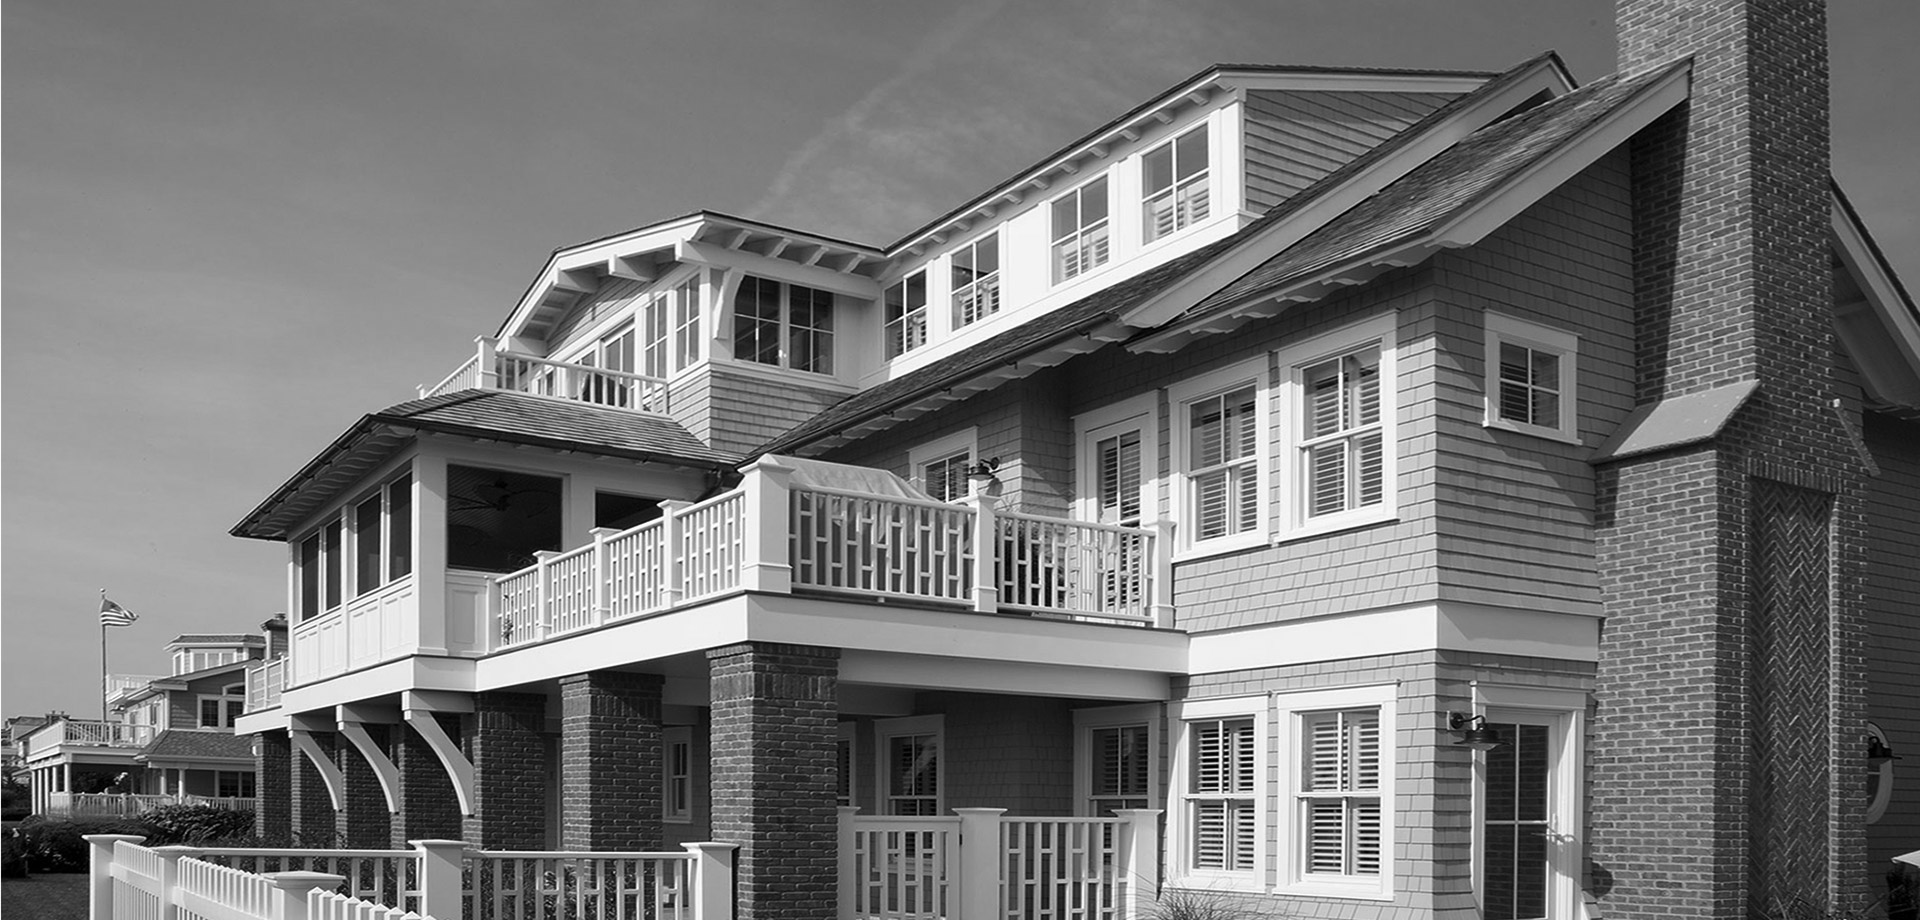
<point x="1210" y="835"/>
<point x="1326" y="836"/>
<point x="1244" y="828"/>
<point x="1366" y="838"/>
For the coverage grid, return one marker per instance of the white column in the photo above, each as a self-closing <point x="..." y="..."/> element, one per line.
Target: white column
<point x="1161" y="596"/>
<point x="849" y="878"/>
<point x="170" y="878"/>
<point x="980" y="859"/>
<point x="487" y="375"/>
<point x="1139" y="846"/>
<point x="100" y="872"/>
<point x="440" y="894"/>
<point x="673" y="567"/>
<point x="768" y="566"/>
<point x="602" y="600"/>
<point x="986" y="551"/>
<point x="712" y="880"/>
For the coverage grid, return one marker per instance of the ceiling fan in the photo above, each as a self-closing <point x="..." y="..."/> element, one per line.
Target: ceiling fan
<point x="501" y="497"/>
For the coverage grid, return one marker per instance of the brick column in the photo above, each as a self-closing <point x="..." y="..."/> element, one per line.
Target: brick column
<point x="429" y="809"/>
<point x="610" y="761"/>
<point x="313" y="815"/>
<point x="365" y="822"/>
<point x="775" y="763"/>
<point x="509" y="771"/>
<point x="273" y="789"/>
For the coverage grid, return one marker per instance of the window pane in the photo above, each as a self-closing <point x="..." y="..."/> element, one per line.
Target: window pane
<point x="366" y="544"/>
<point x="1193" y="153"/>
<point x="309" y="575"/>
<point x="1093" y="202"/>
<point x="400" y="527"/>
<point x="1066" y="216"/>
<point x="209" y="713"/>
<point x="1157" y="169"/>
<point x="756" y="321"/>
<point x="986" y="254"/>
<point x="330" y="547"/>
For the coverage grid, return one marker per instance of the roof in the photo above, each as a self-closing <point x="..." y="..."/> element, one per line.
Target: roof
<point x="218" y="639"/>
<point x="494" y="415"/>
<point x="185" y="744"/>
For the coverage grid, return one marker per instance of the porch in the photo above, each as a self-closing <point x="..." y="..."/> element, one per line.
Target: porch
<point x="129" y="805"/>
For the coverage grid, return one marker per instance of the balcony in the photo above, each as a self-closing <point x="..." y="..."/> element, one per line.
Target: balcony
<point x="265" y="682"/>
<point x="492" y="369"/>
<point x="88" y="733"/>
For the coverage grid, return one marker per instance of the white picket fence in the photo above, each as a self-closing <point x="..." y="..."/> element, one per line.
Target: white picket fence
<point x="437" y="878"/>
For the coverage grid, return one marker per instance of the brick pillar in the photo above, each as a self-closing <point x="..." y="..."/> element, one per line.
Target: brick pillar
<point x="775" y="764"/>
<point x="313" y="815"/>
<point x="365" y="822"/>
<point x="273" y="789"/>
<point x="429" y="809"/>
<point x="610" y="761"/>
<point x="509" y="771"/>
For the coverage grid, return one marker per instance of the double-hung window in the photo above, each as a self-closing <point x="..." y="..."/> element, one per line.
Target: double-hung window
<point x="910" y="765"/>
<point x="1116" y="748"/>
<point x="1220" y="442"/>
<point x="1174" y="183"/>
<point x="783" y="325"/>
<point x="906" y="304"/>
<point x="1339" y="837"/>
<point x="1218" y="834"/>
<point x="686" y="323"/>
<point x="676" y="793"/>
<point x="940" y="466"/>
<point x="1530" y="378"/>
<point x="976" y="280"/>
<point x="221" y="711"/>
<point x="1080" y="232"/>
<point x="1340" y="463"/>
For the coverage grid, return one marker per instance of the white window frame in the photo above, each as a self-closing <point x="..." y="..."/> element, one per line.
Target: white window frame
<point x="1086" y="722"/>
<point x="670" y="738"/>
<point x="965" y="441"/>
<point x="1089" y="427"/>
<point x="1566" y="852"/>
<point x="1055" y="237"/>
<point x="227" y="697"/>
<point x="688" y="318"/>
<point x="1204" y="178"/>
<point x="884" y="731"/>
<point x="1502" y="328"/>
<point x="1294" y="362"/>
<point x="783" y="347"/>
<point x="1293" y="879"/>
<point x="1255" y="371"/>
<point x="1179" y="846"/>
<point x="991" y="279"/>
<point x="911" y="317"/>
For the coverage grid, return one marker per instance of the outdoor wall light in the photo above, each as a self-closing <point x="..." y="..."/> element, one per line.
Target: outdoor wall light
<point x="983" y="468"/>
<point x="1474" y="732"/>
<point x="1878" y="752"/>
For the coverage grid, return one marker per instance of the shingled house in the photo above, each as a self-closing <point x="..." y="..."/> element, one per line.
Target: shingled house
<point x="1371" y="493"/>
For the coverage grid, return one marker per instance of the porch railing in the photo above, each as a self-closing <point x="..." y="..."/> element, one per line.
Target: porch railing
<point x="265" y="682"/>
<point x="91" y="732"/>
<point x="986" y="865"/>
<point x="493" y="369"/>
<point x="771" y="536"/>
<point x="112" y="805"/>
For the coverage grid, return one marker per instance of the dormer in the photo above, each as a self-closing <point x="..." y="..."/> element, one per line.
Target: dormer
<point x="192" y="653"/>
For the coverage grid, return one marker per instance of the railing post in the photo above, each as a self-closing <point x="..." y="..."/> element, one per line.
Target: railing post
<point x="440" y="894"/>
<point x="100" y="872"/>
<point x="601" y="572"/>
<point x="543" y="617"/>
<point x="170" y="878"/>
<point x="849" y="879"/>
<point x="1162" y="574"/>
<point x="979" y="863"/>
<point x="673" y="563"/>
<point x="290" y="892"/>
<point x="712" y="880"/>
<point x="1139" y="848"/>
<point x="768" y="565"/>
<point x="486" y="373"/>
<point x="986" y="553"/>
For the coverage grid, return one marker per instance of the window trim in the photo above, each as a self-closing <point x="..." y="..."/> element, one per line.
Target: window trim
<point x="898" y="347"/>
<point x="1055" y="237"/>
<point x="1179" y="874"/>
<point x="955" y="322"/>
<point x="1257" y="371"/>
<point x="884" y="731"/>
<point x="783" y="346"/>
<point x="966" y="440"/>
<point x="1086" y="721"/>
<point x="1206" y="177"/>
<point x="1294" y="362"/>
<point x="1290" y="710"/>
<point x="225" y="698"/>
<point x="670" y="738"/>
<point x="1502" y="328"/>
<point x="1146" y="409"/>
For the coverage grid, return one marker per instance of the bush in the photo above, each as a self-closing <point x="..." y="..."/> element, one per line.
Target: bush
<point x="195" y="825"/>
<point x="13" y="855"/>
<point x="59" y="844"/>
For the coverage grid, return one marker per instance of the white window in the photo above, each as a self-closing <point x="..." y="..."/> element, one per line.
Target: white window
<point x="380" y="527"/>
<point x="676" y="792"/>
<point x="221" y="711"/>
<point x="940" y="467"/>
<point x="976" y="280"/>
<point x="909" y="765"/>
<point x="1339" y="466"/>
<point x="783" y="325"/>
<point x="1174" y="182"/>
<point x="1080" y="233"/>
<point x="686" y="323"/>
<point x="1115" y="753"/>
<point x="906" y="304"/>
<point x="1117" y="468"/>
<point x="1220" y="448"/>
<point x="1339" y="839"/>
<point x="1217" y="833"/>
<point x="1530" y="378"/>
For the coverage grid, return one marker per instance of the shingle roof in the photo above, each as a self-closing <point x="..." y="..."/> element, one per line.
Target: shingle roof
<point x="217" y="638"/>
<point x="182" y="744"/>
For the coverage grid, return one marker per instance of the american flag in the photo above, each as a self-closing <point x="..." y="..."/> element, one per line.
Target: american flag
<point x="112" y="614"/>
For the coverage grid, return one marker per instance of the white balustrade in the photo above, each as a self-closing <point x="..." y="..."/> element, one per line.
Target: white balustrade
<point x="265" y="682"/>
<point x="89" y="733"/>
<point x="580" y="383"/>
<point x="464" y="377"/>
<point x="613" y="886"/>
<point x="711" y="537"/>
<point x="636" y="567"/>
<point x="1056" y="565"/>
<point x="898" y="867"/>
<point x="882" y="545"/>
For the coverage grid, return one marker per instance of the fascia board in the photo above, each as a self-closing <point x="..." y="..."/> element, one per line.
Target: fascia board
<point x="1167" y="306"/>
<point x="1894" y="314"/>
<point x="1353" y="82"/>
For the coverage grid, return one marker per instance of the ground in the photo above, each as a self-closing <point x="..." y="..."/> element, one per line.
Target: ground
<point x="60" y="896"/>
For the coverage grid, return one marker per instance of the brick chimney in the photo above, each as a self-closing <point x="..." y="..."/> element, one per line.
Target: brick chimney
<point x="275" y="630"/>
<point x="1727" y="777"/>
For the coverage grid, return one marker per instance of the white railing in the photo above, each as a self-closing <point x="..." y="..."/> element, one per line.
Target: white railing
<point x="491" y="368"/>
<point x="464" y="377"/>
<point x="103" y="804"/>
<point x="984" y="865"/>
<point x="90" y="732"/>
<point x="772" y="537"/>
<point x="265" y="682"/>
<point x="442" y="878"/>
<point x="380" y="625"/>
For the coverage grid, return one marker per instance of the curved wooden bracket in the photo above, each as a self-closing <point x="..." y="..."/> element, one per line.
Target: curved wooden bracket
<point x="383" y="768"/>
<point x="329" y="771"/>
<point x="418" y="708"/>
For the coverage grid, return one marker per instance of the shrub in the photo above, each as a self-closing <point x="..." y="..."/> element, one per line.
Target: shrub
<point x="195" y="825"/>
<point x="59" y="844"/>
<point x="13" y="855"/>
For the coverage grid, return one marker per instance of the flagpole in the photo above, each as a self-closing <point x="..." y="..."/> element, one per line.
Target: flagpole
<point x="103" y="663"/>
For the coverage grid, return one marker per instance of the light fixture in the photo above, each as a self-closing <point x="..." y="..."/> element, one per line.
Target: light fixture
<point x="1474" y="732"/>
<point x="1878" y="752"/>
<point x="983" y="468"/>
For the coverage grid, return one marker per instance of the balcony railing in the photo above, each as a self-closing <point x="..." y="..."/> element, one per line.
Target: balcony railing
<point x="772" y="536"/>
<point x="111" y="805"/>
<point x="265" y="681"/>
<point x="90" y="732"/>
<point x="492" y="369"/>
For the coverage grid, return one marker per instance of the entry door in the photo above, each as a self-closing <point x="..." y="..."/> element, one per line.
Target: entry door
<point x="1527" y="853"/>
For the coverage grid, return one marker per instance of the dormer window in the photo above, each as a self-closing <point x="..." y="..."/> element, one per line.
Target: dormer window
<point x="1080" y="235"/>
<point x="976" y="280"/>
<point x="1174" y="182"/>
<point x="907" y="314"/>
<point x="783" y="325"/>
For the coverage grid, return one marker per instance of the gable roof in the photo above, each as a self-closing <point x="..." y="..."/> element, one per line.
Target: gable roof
<point x="490" y="415"/>
<point x="188" y="744"/>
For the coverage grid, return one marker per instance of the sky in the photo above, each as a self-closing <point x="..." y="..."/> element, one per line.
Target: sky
<point x="233" y="228"/>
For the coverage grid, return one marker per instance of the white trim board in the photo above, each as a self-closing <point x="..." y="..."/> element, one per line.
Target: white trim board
<point x="1427" y="627"/>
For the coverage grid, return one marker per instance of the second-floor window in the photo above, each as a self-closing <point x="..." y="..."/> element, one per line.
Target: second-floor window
<point x="686" y="323"/>
<point x="907" y="314"/>
<point x="1174" y="184"/>
<point x="1342" y="446"/>
<point x="221" y="711"/>
<point x="976" y="280"/>
<point x="1080" y="236"/>
<point x="783" y="325"/>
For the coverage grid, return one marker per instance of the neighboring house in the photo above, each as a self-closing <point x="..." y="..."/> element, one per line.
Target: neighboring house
<point x="1239" y="460"/>
<point x="172" y="739"/>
